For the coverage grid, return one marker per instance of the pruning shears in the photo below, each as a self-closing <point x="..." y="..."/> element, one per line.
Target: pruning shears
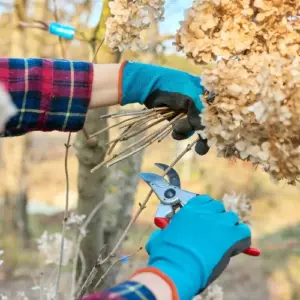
<point x="172" y="197"/>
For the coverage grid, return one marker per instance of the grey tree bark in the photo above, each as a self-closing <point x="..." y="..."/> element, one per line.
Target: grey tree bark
<point x="117" y="185"/>
<point x="124" y="176"/>
<point x="92" y="187"/>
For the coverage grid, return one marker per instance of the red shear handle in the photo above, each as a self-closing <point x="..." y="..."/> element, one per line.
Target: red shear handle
<point x="252" y="251"/>
<point x="163" y="223"/>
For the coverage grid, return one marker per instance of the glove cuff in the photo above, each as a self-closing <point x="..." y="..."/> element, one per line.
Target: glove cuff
<point x="162" y="276"/>
<point x="135" y="82"/>
<point x="120" y="82"/>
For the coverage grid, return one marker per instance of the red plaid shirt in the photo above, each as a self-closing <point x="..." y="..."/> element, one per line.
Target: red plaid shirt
<point x="49" y="94"/>
<point x="54" y="95"/>
<point x="126" y="291"/>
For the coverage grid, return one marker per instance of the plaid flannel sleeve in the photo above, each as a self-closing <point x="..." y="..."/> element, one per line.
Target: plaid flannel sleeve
<point x="128" y="290"/>
<point x="49" y="94"/>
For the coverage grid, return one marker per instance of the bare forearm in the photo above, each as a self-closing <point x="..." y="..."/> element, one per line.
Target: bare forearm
<point x="160" y="288"/>
<point x="105" y="85"/>
<point x="58" y="93"/>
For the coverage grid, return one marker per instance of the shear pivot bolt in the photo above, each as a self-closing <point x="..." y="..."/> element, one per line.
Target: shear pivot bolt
<point x="170" y="193"/>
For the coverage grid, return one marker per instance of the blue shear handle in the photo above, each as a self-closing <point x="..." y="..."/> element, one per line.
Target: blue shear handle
<point x="64" y="31"/>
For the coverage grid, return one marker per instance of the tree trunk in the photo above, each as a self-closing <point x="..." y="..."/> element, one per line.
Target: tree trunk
<point x="117" y="185"/>
<point x="92" y="187"/>
<point x="124" y="176"/>
<point x="119" y="201"/>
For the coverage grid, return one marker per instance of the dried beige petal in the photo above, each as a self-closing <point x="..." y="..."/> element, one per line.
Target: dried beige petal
<point x="128" y="19"/>
<point x="229" y="28"/>
<point x="259" y="111"/>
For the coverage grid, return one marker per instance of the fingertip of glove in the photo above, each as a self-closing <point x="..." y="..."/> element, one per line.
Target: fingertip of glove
<point x="202" y="147"/>
<point x="199" y="200"/>
<point x="245" y="229"/>
<point x="154" y="236"/>
<point x="120" y="82"/>
<point x="179" y="136"/>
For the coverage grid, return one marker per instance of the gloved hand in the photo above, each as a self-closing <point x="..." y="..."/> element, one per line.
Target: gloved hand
<point x="156" y="86"/>
<point x="195" y="248"/>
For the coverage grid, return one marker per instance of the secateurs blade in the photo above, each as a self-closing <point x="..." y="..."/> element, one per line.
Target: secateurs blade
<point x="172" y="197"/>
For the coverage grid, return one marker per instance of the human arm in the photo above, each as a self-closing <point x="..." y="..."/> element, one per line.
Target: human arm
<point x="192" y="251"/>
<point x="56" y="94"/>
<point x="52" y="94"/>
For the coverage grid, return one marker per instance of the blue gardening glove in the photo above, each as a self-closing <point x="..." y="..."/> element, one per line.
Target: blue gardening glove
<point x="156" y="86"/>
<point x="195" y="248"/>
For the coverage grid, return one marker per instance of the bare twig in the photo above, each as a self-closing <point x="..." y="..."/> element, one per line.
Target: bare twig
<point x="66" y="212"/>
<point x="131" y="126"/>
<point x="146" y="118"/>
<point x="142" y="120"/>
<point x="91" y="215"/>
<point x="149" y="139"/>
<point x="104" y="162"/>
<point x="66" y="215"/>
<point x="135" y="112"/>
<point x="83" y="268"/>
<point x="92" y="274"/>
<point x="63" y="52"/>
<point x="157" y="135"/>
<point x="123" y="137"/>
<point x="97" y="50"/>
<point x="97" y="167"/>
<point x="166" y="133"/>
<point x="141" y="129"/>
<point x="34" y="24"/>
<point x="77" y="244"/>
<point x="41" y="285"/>
<point x="86" y="134"/>
<point x="114" y="125"/>
<point x="114" y="144"/>
<point x="113" y="264"/>
<point x="142" y="206"/>
<point x="135" y="125"/>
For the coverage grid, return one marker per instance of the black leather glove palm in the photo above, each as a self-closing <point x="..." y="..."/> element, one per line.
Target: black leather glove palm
<point x="157" y="86"/>
<point x="183" y="128"/>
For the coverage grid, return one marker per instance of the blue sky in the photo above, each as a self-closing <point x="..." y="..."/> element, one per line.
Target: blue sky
<point x="174" y="14"/>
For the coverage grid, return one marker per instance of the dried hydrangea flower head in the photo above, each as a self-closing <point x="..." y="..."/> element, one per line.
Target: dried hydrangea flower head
<point x="240" y="204"/>
<point x="128" y="19"/>
<point x="228" y="28"/>
<point x="49" y="248"/>
<point x="257" y="82"/>
<point x="255" y="115"/>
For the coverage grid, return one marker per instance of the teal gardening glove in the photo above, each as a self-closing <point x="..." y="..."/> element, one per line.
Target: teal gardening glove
<point x="156" y="86"/>
<point x="195" y="248"/>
